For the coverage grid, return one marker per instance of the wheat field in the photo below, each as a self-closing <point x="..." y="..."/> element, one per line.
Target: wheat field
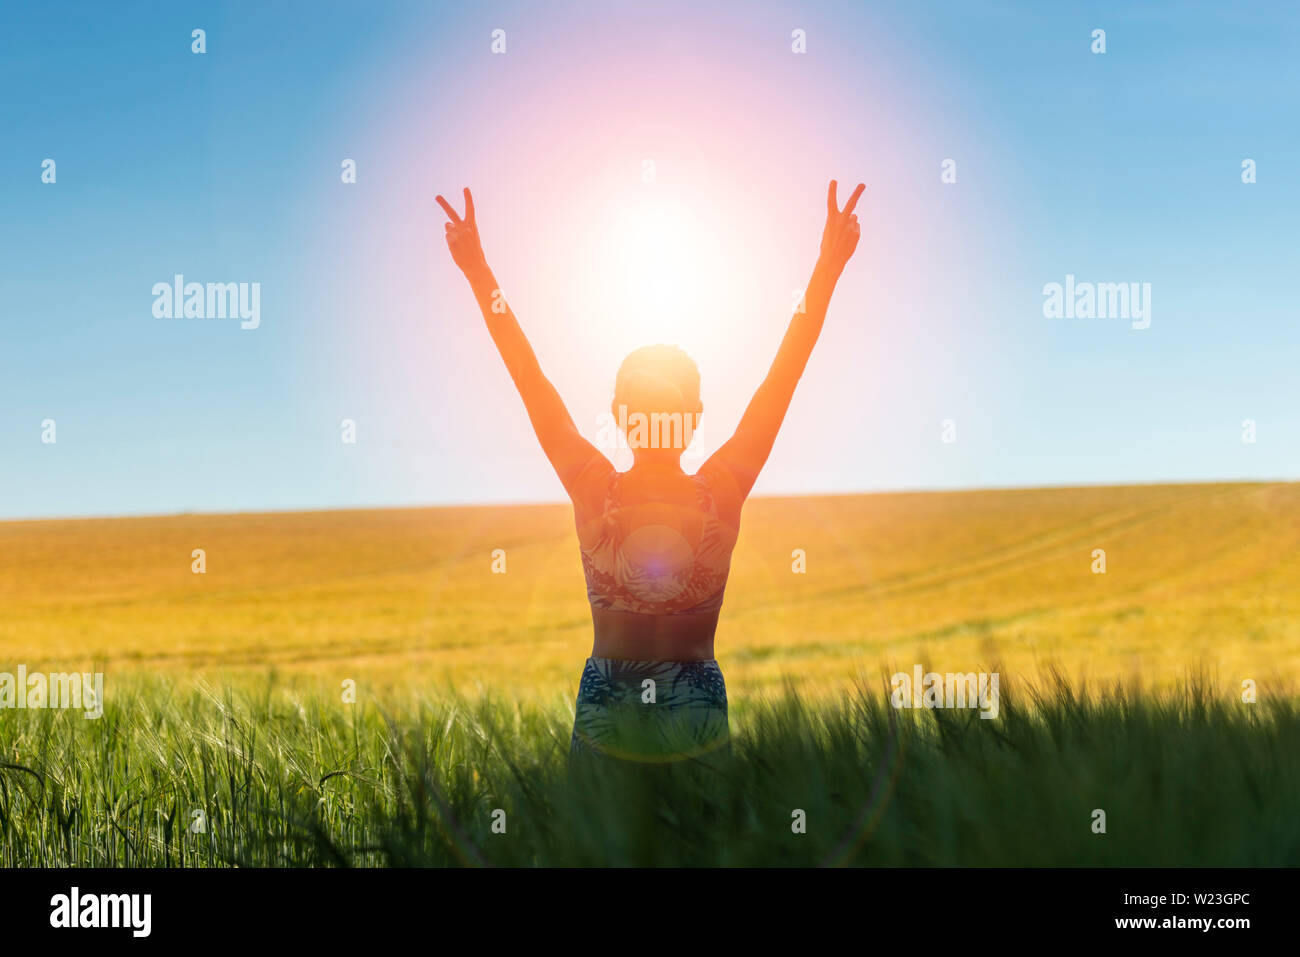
<point x="223" y="703"/>
<point x="1198" y="577"/>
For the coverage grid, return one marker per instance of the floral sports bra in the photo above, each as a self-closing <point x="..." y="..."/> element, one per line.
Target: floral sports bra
<point x="656" y="558"/>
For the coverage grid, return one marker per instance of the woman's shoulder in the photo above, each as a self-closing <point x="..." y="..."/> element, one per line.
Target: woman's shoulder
<point x="718" y="483"/>
<point x="591" y="488"/>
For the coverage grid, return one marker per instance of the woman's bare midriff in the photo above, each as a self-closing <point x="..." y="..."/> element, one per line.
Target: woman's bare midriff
<point x="628" y="636"/>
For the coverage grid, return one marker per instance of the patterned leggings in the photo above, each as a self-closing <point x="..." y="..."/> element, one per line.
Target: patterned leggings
<point x="651" y="711"/>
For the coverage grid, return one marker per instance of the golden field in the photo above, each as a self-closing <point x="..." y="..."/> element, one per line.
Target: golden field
<point x="1198" y="576"/>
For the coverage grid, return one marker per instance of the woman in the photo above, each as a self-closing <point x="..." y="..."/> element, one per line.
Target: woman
<point x="656" y="543"/>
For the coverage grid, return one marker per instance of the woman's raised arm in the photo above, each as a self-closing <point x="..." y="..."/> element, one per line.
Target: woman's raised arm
<point x="744" y="454"/>
<point x="568" y="452"/>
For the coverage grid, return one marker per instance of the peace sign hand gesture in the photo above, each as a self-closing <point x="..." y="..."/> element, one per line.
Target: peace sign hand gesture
<point x="462" y="236"/>
<point x="840" y="237"/>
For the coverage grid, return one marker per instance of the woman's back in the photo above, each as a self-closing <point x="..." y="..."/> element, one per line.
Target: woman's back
<point x="655" y="541"/>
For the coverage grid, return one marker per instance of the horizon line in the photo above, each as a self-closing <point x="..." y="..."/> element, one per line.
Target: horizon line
<point x="551" y="503"/>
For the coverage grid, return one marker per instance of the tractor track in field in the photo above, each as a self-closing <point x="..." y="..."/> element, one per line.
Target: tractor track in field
<point x="1053" y="544"/>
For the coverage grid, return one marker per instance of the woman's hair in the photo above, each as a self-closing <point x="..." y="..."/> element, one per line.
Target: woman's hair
<point x="658" y="379"/>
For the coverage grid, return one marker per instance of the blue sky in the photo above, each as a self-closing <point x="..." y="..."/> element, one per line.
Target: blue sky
<point x="1120" y="167"/>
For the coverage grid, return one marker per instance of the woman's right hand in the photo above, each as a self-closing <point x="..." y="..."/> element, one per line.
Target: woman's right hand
<point x="841" y="235"/>
<point x="462" y="236"/>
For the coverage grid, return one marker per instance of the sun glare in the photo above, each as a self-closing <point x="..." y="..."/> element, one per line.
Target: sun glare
<point x="660" y="262"/>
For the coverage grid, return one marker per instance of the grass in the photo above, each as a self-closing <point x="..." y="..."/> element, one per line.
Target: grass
<point x="1188" y="776"/>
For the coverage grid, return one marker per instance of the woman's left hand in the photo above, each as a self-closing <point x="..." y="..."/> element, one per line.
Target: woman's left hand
<point x="462" y="236"/>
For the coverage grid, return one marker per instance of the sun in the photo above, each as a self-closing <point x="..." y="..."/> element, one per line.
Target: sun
<point x="660" y="262"/>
